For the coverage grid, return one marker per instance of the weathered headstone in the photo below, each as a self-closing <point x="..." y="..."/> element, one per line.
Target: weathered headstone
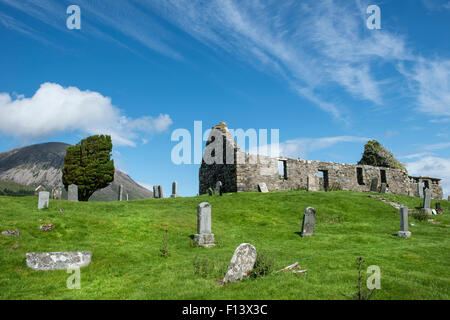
<point x="160" y="192"/>
<point x="448" y="198"/>
<point x="57" y="193"/>
<point x="210" y="191"/>
<point x="420" y="190"/>
<point x="404" y="233"/>
<point x="58" y="260"/>
<point x="427" y="202"/>
<point x="312" y="183"/>
<point x="204" y="237"/>
<point x="309" y="222"/>
<point x="410" y="193"/>
<point x="383" y="188"/>
<point x="44" y="200"/>
<point x="72" y="193"/>
<point x="438" y="206"/>
<point x="155" y="192"/>
<point x="241" y="264"/>
<point x="120" y="193"/>
<point x="219" y="187"/>
<point x="374" y="185"/>
<point x="174" y="189"/>
<point x="262" y="187"/>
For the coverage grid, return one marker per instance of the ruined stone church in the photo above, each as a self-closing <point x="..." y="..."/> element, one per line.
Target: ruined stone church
<point x="241" y="171"/>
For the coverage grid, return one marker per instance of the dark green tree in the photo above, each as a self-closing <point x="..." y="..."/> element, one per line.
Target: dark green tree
<point x="377" y="155"/>
<point x="88" y="164"/>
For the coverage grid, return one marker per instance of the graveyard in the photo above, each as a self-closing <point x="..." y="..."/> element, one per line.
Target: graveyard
<point x="146" y="249"/>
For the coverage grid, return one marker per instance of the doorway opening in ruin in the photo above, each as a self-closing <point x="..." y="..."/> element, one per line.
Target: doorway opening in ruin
<point x="383" y="176"/>
<point x="359" y="175"/>
<point x="282" y="169"/>
<point x="425" y="184"/>
<point x="323" y="179"/>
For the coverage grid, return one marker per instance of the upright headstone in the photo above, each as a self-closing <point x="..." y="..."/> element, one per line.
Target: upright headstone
<point x="420" y="189"/>
<point x="404" y="233"/>
<point x="219" y="187"/>
<point x="448" y="198"/>
<point x="438" y="206"/>
<point x="155" y="192"/>
<point x="160" y="192"/>
<point x="241" y="264"/>
<point x="44" y="199"/>
<point x="210" y="191"/>
<point x="427" y="201"/>
<point x="72" y="193"/>
<point x="309" y="222"/>
<point x="127" y="196"/>
<point x="57" y="193"/>
<point x="204" y="237"/>
<point x="410" y="193"/>
<point x="120" y="192"/>
<point x="174" y="189"/>
<point x="383" y="188"/>
<point x="312" y="183"/>
<point x="262" y="187"/>
<point x="374" y="185"/>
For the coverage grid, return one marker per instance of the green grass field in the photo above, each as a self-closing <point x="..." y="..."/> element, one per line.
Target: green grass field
<point x="125" y="239"/>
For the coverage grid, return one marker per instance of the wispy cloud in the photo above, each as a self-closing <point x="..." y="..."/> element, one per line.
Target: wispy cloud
<point x="54" y="109"/>
<point x="316" y="47"/>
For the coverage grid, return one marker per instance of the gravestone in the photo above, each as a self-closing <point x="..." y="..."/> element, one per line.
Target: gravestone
<point x="374" y="185"/>
<point x="448" y="198"/>
<point x="57" y="193"/>
<point x="219" y="187"/>
<point x="241" y="264"/>
<point x="174" y="189"/>
<point x="155" y="192"/>
<point x="210" y="191"/>
<point x="44" y="200"/>
<point x="312" y="183"/>
<point x="438" y="206"/>
<point x="420" y="190"/>
<point x="120" y="193"/>
<point x="404" y="233"/>
<point x="427" y="202"/>
<point x="410" y="193"/>
<point x="262" y="187"/>
<point x="72" y="193"/>
<point x="309" y="222"/>
<point x="160" y="192"/>
<point x="58" y="260"/>
<point x="204" y="237"/>
<point x="383" y="188"/>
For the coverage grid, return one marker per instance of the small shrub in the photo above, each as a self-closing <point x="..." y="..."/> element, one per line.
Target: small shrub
<point x="205" y="267"/>
<point x="164" y="250"/>
<point x="419" y="215"/>
<point x="264" y="265"/>
<point x="361" y="294"/>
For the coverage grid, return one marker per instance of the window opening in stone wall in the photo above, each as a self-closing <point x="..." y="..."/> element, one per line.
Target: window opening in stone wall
<point x="359" y="174"/>
<point x="383" y="176"/>
<point x="323" y="178"/>
<point x="282" y="169"/>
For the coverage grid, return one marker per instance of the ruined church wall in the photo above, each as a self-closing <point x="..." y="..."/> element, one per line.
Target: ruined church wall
<point x="257" y="169"/>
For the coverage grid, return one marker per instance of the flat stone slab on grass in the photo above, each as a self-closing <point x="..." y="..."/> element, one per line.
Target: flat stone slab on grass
<point x="11" y="233"/>
<point x="58" y="260"/>
<point x="241" y="264"/>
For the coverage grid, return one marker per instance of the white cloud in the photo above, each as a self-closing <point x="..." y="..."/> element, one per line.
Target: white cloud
<point x="434" y="167"/>
<point x="431" y="81"/>
<point x="54" y="109"/>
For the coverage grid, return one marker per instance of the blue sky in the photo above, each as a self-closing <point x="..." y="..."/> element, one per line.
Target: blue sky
<point x="138" y="70"/>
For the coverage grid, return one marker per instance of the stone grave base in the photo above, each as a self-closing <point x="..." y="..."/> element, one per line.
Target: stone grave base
<point x="404" y="234"/>
<point x="205" y="240"/>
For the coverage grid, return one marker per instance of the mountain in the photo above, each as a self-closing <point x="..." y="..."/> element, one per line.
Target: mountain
<point x="41" y="164"/>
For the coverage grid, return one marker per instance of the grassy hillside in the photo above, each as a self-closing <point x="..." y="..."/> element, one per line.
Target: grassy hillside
<point x="125" y="238"/>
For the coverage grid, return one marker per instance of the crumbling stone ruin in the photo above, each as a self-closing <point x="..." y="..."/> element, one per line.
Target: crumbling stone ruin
<point x="241" y="171"/>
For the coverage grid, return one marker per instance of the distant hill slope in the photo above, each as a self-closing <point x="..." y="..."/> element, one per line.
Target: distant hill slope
<point x="41" y="164"/>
